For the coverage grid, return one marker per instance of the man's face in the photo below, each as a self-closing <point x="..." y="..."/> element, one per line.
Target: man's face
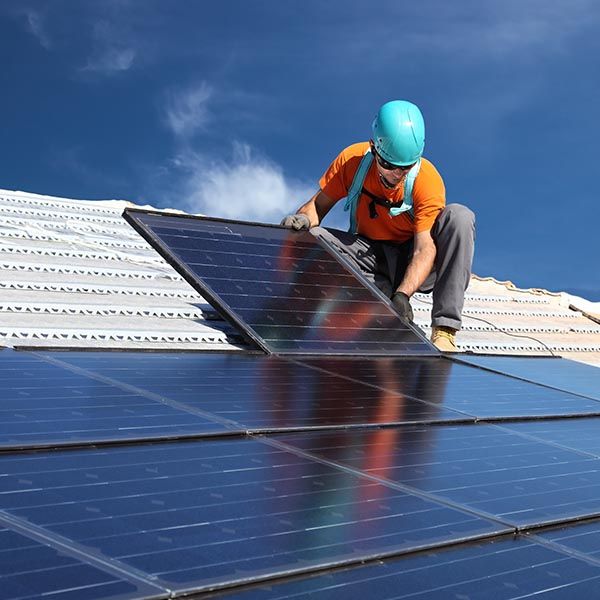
<point x="391" y="178"/>
<point x="390" y="175"/>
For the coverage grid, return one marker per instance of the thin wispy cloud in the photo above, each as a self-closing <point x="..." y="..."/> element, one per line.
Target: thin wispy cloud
<point x="36" y="26"/>
<point x="247" y="186"/>
<point x="186" y="109"/>
<point x="112" y="51"/>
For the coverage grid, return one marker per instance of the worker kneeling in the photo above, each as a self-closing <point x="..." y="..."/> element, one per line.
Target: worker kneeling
<point x="402" y="235"/>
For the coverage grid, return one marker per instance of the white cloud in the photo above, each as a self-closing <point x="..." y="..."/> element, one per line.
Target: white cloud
<point x="248" y="187"/>
<point x="186" y="111"/>
<point x="36" y="26"/>
<point x="112" y="51"/>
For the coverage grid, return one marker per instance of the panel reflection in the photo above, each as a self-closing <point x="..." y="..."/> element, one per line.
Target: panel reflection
<point x="268" y="393"/>
<point x="470" y="390"/>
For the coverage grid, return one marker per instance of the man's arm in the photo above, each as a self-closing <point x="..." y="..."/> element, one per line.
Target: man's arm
<point x="316" y="208"/>
<point x="420" y="265"/>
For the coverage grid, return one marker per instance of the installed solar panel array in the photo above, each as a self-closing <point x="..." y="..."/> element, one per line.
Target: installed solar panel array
<point x="254" y="476"/>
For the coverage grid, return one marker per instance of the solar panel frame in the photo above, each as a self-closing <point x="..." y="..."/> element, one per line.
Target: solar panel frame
<point x="417" y="345"/>
<point x="513" y="568"/>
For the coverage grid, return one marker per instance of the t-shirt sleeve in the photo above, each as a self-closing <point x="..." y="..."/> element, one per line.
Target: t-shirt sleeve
<point x="429" y="197"/>
<point x="336" y="181"/>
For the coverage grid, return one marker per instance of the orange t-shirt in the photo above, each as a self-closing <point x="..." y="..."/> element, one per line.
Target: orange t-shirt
<point x="429" y="196"/>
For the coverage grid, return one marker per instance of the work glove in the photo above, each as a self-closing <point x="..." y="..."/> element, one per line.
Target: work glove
<point x="297" y="221"/>
<point x="402" y="305"/>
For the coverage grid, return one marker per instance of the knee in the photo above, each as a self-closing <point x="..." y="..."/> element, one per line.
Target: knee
<point x="459" y="217"/>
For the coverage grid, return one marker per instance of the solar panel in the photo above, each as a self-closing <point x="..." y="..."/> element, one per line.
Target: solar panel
<point x="559" y="373"/>
<point x="575" y="434"/>
<point x="255" y="392"/>
<point x="492" y="471"/>
<point x="460" y="387"/>
<point x="216" y="512"/>
<point x="46" y="405"/>
<point x="286" y="290"/>
<point x="503" y="570"/>
<point x="582" y="538"/>
<point x="30" y="569"/>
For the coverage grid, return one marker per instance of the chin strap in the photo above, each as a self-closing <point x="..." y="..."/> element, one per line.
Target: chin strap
<point x="357" y="189"/>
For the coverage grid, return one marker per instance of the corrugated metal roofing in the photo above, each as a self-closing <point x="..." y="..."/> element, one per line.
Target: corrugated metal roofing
<point x="75" y="274"/>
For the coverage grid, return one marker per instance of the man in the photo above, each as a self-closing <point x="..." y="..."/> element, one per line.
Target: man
<point x="402" y="235"/>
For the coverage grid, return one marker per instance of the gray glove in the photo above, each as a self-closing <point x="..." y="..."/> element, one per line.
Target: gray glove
<point x="402" y="305"/>
<point x="297" y="221"/>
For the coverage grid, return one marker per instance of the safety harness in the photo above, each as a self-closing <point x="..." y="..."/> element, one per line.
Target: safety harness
<point x="357" y="189"/>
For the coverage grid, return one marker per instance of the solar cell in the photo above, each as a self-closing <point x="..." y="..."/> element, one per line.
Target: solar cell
<point x="46" y="405"/>
<point x="503" y="570"/>
<point x="559" y="373"/>
<point x="198" y="515"/>
<point x="286" y="290"/>
<point x="522" y="481"/>
<point x="256" y="392"/>
<point x="460" y="387"/>
<point x="29" y="569"/>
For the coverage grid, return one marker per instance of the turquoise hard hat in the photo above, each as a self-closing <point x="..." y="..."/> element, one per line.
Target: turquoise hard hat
<point x="399" y="132"/>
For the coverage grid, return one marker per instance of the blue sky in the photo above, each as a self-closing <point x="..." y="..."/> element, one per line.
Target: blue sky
<point x="235" y="109"/>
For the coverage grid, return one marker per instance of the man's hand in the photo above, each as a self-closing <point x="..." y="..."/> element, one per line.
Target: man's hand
<point x="402" y="305"/>
<point x="297" y="221"/>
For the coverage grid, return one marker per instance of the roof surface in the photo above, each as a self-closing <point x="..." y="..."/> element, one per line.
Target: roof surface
<point x="206" y="468"/>
<point x="75" y="274"/>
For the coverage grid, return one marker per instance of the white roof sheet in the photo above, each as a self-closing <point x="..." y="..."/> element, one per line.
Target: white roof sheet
<point x="74" y="274"/>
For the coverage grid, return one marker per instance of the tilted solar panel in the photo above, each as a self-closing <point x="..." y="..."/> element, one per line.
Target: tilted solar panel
<point x="286" y="290"/>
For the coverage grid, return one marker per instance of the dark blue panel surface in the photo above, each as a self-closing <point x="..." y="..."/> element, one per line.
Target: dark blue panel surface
<point x="45" y="404"/>
<point x="502" y="570"/>
<point x="582" y="435"/>
<point x="461" y="387"/>
<point x="29" y="569"/>
<point x="558" y="373"/>
<point x="259" y="392"/>
<point x="493" y="471"/>
<point x="285" y="289"/>
<point x="583" y="538"/>
<point x="215" y="511"/>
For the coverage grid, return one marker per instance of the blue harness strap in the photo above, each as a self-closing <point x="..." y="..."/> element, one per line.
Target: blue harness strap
<point x="356" y="189"/>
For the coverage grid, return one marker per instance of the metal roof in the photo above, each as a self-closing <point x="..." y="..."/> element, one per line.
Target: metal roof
<point x="75" y="274"/>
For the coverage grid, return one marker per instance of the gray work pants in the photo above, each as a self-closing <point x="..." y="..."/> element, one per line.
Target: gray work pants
<point x="384" y="263"/>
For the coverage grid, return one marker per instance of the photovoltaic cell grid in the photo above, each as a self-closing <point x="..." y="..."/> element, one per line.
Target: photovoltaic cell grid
<point x="254" y="392"/>
<point x="44" y="404"/>
<point x="558" y="373"/>
<point x="199" y="515"/>
<point x="284" y="289"/>
<point x="30" y="569"/>
<point x="192" y="516"/>
<point x="508" y="569"/>
<point x="460" y="387"/>
<point x="491" y="470"/>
